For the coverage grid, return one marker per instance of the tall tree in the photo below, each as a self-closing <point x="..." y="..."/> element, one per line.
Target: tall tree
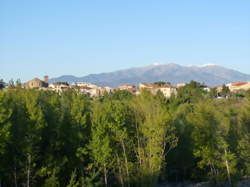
<point x="2" y="84"/>
<point x="100" y="144"/>
<point x="155" y="136"/>
<point x="209" y="138"/>
<point x="244" y="142"/>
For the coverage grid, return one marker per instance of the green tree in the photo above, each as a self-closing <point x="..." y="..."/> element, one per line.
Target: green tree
<point x="100" y="144"/>
<point x="11" y="84"/>
<point x="162" y="83"/>
<point x="2" y="84"/>
<point x="244" y="142"/>
<point x="210" y="132"/>
<point x="33" y="128"/>
<point x="112" y="137"/>
<point x="213" y="93"/>
<point x="122" y="95"/>
<point x="18" y="83"/>
<point x="5" y="133"/>
<point x="155" y="137"/>
<point x="225" y="92"/>
<point x="181" y="163"/>
<point x="190" y="93"/>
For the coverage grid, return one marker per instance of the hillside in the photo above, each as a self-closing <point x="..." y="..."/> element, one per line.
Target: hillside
<point x="174" y="73"/>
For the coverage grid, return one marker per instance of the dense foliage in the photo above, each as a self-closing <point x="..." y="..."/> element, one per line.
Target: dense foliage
<point x="69" y="139"/>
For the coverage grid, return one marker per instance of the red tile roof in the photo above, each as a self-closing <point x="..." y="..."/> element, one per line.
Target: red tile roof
<point x="239" y="83"/>
<point x="85" y="87"/>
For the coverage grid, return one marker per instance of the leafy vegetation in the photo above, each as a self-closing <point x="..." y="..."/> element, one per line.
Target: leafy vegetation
<point x="70" y="139"/>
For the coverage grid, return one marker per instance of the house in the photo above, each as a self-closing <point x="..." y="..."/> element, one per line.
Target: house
<point x="37" y="83"/>
<point x="105" y="89"/>
<point x="166" y="89"/>
<point x="179" y="85"/>
<point x="237" y="86"/>
<point x="130" y="88"/>
<point x="91" y="91"/>
<point x="82" y="84"/>
<point x="126" y="87"/>
<point x="59" y="86"/>
<point x="86" y="88"/>
<point x="205" y="87"/>
<point x="218" y="88"/>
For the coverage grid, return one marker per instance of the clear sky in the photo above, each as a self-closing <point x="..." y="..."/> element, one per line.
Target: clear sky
<point x="79" y="37"/>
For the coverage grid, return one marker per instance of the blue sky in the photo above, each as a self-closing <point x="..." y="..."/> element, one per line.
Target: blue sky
<point x="79" y="37"/>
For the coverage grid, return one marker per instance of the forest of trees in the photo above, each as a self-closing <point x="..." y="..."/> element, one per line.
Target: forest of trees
<point x="69" y="139"/>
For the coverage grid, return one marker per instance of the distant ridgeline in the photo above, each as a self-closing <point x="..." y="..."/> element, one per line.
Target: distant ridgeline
<point x="210" y="74"/>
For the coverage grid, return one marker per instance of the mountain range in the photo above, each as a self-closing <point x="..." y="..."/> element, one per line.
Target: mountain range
<point x="209" y="74"/>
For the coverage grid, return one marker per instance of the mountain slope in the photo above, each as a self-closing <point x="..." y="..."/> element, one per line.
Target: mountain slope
<point x="174" y="73"/>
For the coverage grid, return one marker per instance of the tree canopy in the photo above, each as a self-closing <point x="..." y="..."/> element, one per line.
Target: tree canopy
<point x="70" y="139"/>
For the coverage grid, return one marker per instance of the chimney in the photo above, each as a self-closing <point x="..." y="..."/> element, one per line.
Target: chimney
<point x="46" y="79"/>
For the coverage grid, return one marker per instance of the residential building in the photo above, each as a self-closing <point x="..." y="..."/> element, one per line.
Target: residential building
<point x="130" y="88"/>
<point x="205" y="87"/>
<point x="92" y="92"/>
<point x="82" y="84"/>
<point x="237" y="86"/>
<point x="179" y="85"/>
<point x="166" y="89"/>
<point x="218" y="88"/>
<point x="59" y="86"/>
<point x="105" y="89"/>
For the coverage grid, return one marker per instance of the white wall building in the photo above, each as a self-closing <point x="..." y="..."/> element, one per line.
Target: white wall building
<point x="237" y="86"/>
